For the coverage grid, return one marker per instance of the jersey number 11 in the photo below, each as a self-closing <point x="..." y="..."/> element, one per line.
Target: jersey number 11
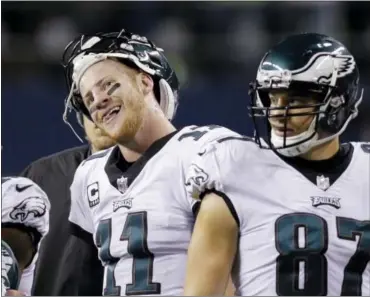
<point x="135" y="232"/>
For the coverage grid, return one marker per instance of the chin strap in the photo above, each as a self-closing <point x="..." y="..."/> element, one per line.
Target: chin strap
<point x="68" y="109"/>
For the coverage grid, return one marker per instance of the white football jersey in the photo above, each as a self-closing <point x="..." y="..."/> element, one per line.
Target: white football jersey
<point x="23" y="202"/>
<point x="296" y="238"/>
<point x="141" y="217"/>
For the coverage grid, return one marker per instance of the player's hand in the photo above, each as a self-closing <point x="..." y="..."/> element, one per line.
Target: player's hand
<point x="14" y="293"/>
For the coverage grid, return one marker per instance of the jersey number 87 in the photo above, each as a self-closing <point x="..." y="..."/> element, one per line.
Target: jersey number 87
<point x="311" y="258"/>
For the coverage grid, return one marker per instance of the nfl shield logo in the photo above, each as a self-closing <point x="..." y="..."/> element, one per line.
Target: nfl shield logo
<point x="122" y="184"/>
<point x="322" y="182"/>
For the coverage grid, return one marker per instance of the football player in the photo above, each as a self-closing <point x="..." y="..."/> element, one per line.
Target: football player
<point x="24" y="222"/>
<point x="288" y="213"/>
<point x="139" y="212"/>
<point x="66" y="265"/>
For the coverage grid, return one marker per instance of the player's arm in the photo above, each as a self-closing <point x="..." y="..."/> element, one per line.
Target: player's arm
<point x="212" y="249"/>
<point x="215" y="236"/>
<point x="230" y="289"/>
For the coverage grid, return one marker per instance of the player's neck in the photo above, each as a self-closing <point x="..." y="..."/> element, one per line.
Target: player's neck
<point x="129" y="154"/>
<point x="324" y="151"/>
<point x="154" y="127"/>
<point x="93" y="149"/>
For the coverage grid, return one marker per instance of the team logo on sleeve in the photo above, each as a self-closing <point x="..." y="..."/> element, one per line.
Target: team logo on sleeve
<point x="30" y="206"/>
<point x="198" y="176"/>
<point x="196" y="181"/>
<point x="93" y="194"/>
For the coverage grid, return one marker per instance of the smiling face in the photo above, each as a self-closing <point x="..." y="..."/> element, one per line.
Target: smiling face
<point x="295" y="125"/>
<point x="97" y="138"/>
<point x="115" y="96"/>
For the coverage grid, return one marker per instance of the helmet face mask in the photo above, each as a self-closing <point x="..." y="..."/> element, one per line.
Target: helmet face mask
<point x="132" y="50"/>
<point x="327" y="77"/>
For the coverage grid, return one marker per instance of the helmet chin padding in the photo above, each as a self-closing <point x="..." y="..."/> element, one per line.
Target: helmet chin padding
<point x="312" y="135"/>
<point x="305" y="141"/>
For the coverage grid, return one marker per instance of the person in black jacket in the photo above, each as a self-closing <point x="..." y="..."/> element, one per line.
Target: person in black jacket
<point x="66" y="264"/>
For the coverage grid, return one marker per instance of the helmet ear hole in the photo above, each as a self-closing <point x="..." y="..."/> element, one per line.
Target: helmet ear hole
<point x="334" y="116"/>
<point x="336" y="101"/>
<point x="156" y="90"/>
<point x="264" y="98"/>
<point x="327" y="124"/>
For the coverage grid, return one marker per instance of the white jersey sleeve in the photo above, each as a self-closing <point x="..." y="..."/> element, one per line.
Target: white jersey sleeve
<point x="214" y="170"/>
<point x="204" y="173"/>
<point x="183" y="147"/>
<point x="80" y="214"/>
<point x="23" y="202"/>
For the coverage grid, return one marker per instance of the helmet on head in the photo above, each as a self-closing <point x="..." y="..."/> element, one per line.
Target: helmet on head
<point x="314" y="66"/>
<point x="131" y="49"/>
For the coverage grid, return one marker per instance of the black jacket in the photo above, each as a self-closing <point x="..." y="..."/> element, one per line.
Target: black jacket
<point x="66" y="264"/>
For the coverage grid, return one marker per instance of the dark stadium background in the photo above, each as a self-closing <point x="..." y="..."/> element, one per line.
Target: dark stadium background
<point x="214" y="46"/>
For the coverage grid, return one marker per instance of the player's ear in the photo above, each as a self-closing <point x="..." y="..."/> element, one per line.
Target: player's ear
<point x="146" y="83"/>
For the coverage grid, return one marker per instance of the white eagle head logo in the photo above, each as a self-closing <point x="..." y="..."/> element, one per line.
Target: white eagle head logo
<point x="198" y="176"/>
<point x="31" y="205"/>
